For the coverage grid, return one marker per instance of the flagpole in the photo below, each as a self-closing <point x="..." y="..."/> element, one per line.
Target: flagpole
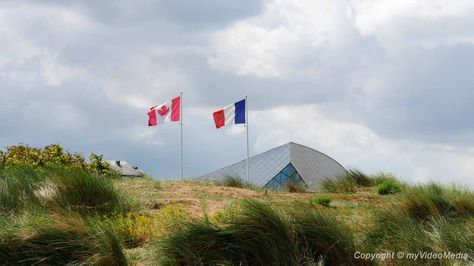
<point x="181" y="128"/>
<point x="247" y="127"/>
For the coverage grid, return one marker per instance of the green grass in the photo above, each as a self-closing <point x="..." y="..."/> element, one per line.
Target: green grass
<point x="424" y="202"/>
<point x="58" y="188"/>
<point x="82" y="192"/>
<point x="59" y="241"/>
<point x="340" y="184"/>
<point x="431" y="218"/>
<point x="46" y="216"/>
<point x="388" y="187"/>
<point x="68" y="216"/>
<point x="261" y="234"/>
<point x="321" y="201"/>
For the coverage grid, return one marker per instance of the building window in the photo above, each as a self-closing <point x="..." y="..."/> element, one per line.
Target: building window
<point x="285" y="176"/>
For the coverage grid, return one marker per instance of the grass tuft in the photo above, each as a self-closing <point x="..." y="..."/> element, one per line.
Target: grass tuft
<point x="321" y="201"/>
<point x="261" y="235"/>
<point x="234" y="181"/>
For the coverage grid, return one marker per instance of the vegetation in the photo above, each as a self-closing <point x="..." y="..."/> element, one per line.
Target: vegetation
<point x="388" y="187"/>
<point x="52" y="155"/>
<point x="65" y="212"/>
<point x="352" y="180"/>
<point x="234" y="181"/>
<point x="261" y="235"/>
<point x="321" y="201"/>
<point x="430" y="218"/>
<point x="52" y="205"/>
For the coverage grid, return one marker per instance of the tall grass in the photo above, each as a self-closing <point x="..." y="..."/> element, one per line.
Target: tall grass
<point x="64" y="240"/>
<point x="261" y="235"/>
<point x="80" y="191"/>
<point x="353" y="179"/>
<point x="234" y="181"/>
<point x="17" y="189"/>
<point x="341" y="184"/>
<point x="58" y="189"/>
<point x="430" y="218"/>
<point x="424" y="202"/>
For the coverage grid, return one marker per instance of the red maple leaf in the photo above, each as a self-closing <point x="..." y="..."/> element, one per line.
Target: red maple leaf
<point x="163" y="110"/>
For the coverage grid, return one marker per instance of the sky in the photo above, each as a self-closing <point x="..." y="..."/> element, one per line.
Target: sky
<point x="377" y="85"/>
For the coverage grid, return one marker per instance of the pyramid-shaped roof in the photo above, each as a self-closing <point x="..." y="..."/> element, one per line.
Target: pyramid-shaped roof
<point x="311" y="165"/>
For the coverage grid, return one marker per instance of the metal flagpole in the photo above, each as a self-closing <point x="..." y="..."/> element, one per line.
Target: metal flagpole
<point x="181" y="125"/>
<point x="247" y="127"/>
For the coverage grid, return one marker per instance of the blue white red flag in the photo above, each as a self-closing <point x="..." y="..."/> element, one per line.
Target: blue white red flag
<point x="232" y="114"/>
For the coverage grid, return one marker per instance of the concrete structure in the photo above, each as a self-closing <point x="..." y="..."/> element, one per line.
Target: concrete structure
<point x="289" y="163"/>
<point x="125" y="169"/>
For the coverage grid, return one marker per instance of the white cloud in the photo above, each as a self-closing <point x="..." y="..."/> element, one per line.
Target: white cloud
<point x="270" y="44"/>
<point x="355" y="145"/>
<point x="29" y="58"/>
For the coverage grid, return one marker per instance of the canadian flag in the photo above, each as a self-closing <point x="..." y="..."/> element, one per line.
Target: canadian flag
<point x="169" y="111"/>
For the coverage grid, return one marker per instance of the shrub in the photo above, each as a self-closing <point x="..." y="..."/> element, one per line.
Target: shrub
<point x="36" y="157"/>
<point x="52" y="155"/>
<point x="134" y="229"/>
<point x="261" y="235"/>
<point x="322" y="201"/>
<point x="388" y="187"/>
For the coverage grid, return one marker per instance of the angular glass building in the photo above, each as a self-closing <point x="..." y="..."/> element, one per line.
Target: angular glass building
<point x="290" y="163"/>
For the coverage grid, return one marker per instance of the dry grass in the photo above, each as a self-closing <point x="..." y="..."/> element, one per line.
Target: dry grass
<point x="202" y="198"/>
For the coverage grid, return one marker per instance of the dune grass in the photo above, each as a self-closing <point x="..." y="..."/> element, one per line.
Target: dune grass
<point x="349" y="182"/>
<point x="261" y="234"/>
<point x="59" y="240"/>
<point x="63" y="188"/>
<point x="67" y="216"/>
<point x="234" y="181"/>
<point x="46" y="216"/>
<point x="431" y="218"/>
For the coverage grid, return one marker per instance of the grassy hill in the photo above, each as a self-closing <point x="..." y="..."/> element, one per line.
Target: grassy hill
<point x="65" y="211"/>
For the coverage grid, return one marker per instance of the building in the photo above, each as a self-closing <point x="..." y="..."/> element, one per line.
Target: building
<point x="290" y="163"/>
<point x="125" y="169"/>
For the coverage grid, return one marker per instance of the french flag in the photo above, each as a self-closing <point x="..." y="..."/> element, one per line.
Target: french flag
<point x="232" y="114"/>
<point x="167" y="112"/>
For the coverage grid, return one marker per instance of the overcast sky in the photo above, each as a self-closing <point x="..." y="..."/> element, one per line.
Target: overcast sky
<point x="377" y="85"/>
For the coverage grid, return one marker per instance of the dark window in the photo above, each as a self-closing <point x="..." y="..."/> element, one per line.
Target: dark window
<point x="285" y="176"/>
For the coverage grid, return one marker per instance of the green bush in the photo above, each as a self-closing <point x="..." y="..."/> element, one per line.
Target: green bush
<point x="321" y="201"/>
<point x="52" y="155"/>
<point x="259" y="234"/>
<point x="388" y="187"/>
